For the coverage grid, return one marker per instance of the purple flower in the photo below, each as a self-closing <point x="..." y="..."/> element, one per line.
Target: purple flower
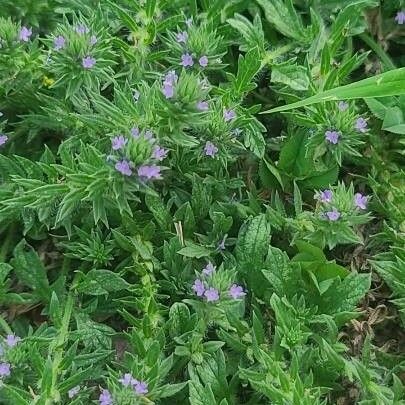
<point x="136" y="95"/>
<point x="208" y="269"/>
<point x="118" y="142"/>
<point x="59" y="42"/>
<point x="211" y="294"/>
<point x="168" y="90"/>
<point x="141" y="387"/>
<point x="159" y="153"/>
<point x="82" y="29"/>
<point x="186" y="60"/>
<point x="236" y="291"/>
<point x="12" y="340"/>
<point x="332" y="137"/>
<point x="229" y="115"/>
<point x="127" y="380"/>
<point x="88" y="62"/>
<point x="5" y="369"/>
<point x="198" y="287"/>
<point x="400" y="17"/>
<point x="189" y="22"/>
<point x="135" y="132"/>
<point x="149" y="172"/>
<point x="203" y="61"/>
<point x="325" y="196"/>
<point x="343" y="106"/>
<point x="182" y="37"/>
<point x="93" y="40"/>
<point x="73" y="391"/>
<point x="210" y="149"/>
<point x="25" y="34"/>
<point x="360" y="201"/>
<point x="105" y="397"/>
<point x="361" y="125"/>
<point x="170" y="78"/>
<point x="3" y="139"/>
<point x="333" y="215"/>
<point x="123" y="167"/>
<point x="202" y="106"/>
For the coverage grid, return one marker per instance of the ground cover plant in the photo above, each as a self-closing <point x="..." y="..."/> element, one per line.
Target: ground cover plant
<point x="202" y="202"/>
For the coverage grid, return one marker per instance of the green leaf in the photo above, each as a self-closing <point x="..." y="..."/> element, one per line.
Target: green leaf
<point x="394" y="121"/>
<point x="193" y="250"/>
<point x="389" y="83"/>
<point x="101" y="282"/>
<point x="253" y="240"/>
<point x="292" y="75"/>
<point x="30" y="270"/>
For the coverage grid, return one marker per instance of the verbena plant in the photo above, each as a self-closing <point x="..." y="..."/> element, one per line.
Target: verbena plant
<point x="201" y="202"/>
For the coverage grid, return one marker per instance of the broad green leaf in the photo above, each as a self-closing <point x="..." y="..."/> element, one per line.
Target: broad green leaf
<point x="30" y="270"/>
<point x="101" y="282"/>
<point x="390" y="83"/>
<point x="292" y="75"/>
<point x="193" y="250"/>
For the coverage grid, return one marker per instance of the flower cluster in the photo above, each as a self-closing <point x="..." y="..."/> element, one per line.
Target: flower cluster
<point x="139" y="387"/>
<point x="332" y="214"/>
<point x="204" y="286"/>
<point x="10" y="341"/>
<point x="141" y="145"/>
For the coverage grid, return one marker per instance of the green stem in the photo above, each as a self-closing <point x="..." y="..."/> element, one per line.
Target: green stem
<point x="57" y="348"/>
<point x="379" y="51"/>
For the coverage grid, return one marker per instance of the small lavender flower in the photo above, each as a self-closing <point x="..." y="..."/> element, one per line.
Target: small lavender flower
<point x="186" y="60"/>
<point x="141" y="388"/>
<point x="208" y="269"/>
<point x="82" y="29"/>
<point x="198" y="287"/>
<point x="333" y="215"/>
<point x="343" y="106"/>
<point x="210" y="149"/>
<point x="203" y="61"/>
<point x="182" y="37"/>
<point x="73" y="391"/>
<point x="229" y="115"/>
<point x="170" y="78"/>
<point x="236" y="291"/>
<point x="159" y="153"/>
<point x="118" y="142"/>
<point x="93" y="40"/>
<point x="3" y="139"/>
<point x="135" y="132"/>
<point x="189" y="22"/>
<point x="105" y="397"/>
<point x="361" y="125"/>
<point x="12" y="340"/>
<point x="360" y="201"/>
<point x="325" y="196"/>
<point x="332" y="137"/>
<point x="236" y="132"/>
<point x="149" y="172"/>
<point x="5" y="370"/>
<point x="211" y="294"/>
<point x="202" y="106"/>
<point x="127" y="380"/>
<point x="400" y="17"/>
<point x="88" y="62"/>
<point x="123" y="167"/>
<point x="25" y="34"/>
<point x="168" y="91"/>
<point x="135" y="95"/>
<point x="59" y="42"/>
